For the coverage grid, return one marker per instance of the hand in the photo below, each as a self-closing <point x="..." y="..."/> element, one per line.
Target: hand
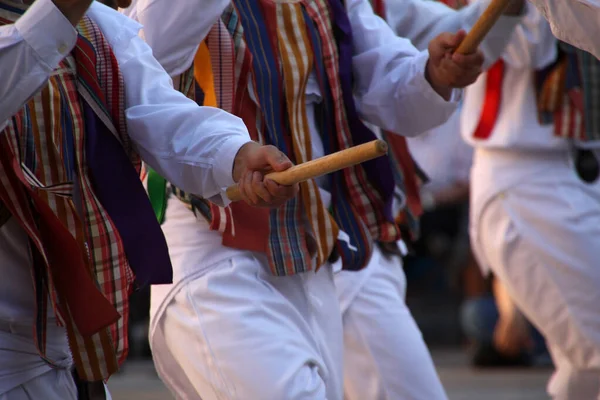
<point x="447" y="70"/>
<point x="73" y="10"/>
<point x="251" y="164"/>
<point x="515" y="8"/>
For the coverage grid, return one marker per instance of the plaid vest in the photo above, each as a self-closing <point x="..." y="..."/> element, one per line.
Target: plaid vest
<point x="262" y="54"/>
<point x="79" y="259"/>
<point x="568" y="94"/>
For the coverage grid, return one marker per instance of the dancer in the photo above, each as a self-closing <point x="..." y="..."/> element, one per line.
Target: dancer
<point x="535" y="195"/>
<point x="385" y="356"/>
<point x="255" y="295"/>
<point x="77" y="104"/>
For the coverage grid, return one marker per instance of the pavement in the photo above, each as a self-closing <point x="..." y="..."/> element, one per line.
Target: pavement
<point x="138" y="381"/>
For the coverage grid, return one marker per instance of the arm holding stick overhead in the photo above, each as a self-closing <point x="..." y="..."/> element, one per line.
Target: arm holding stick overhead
<point x="483" y="26"/>
<point x="421" y="21"/>
<point x="576" y="22"/>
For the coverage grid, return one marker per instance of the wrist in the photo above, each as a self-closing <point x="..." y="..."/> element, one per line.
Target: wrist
<point x="443" y="90"/>
<point x="239" y="163"/>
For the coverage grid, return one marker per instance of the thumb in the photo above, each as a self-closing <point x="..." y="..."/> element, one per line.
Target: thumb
<point x="455" y="40"/>
<point x="276" y="159"/>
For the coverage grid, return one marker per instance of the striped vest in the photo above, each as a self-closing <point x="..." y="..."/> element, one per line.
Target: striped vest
<point x="79" y="260"/>
<point x="568" y="94"/>
<point x="262" y="53"/>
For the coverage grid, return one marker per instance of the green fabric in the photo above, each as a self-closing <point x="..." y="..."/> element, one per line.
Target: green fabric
<point x="157" y="191"/>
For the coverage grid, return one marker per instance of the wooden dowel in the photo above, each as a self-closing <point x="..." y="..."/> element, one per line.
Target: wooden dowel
<point x="483" y="26"/>
<point x="322" y="166"/>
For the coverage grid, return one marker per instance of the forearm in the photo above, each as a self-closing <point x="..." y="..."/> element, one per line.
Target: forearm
<point x="30" y="50"/>
<point x="421" y="21"/>
<point x="576" y="22"/>
<point x="391" y="88"/>
<point x="193" y="147"/>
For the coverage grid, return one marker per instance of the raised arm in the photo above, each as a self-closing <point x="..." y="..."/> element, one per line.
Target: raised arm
<point x="421" y="21"/>
<point x="174" y="31"/>
<point x="394" y="82"/>
<point x="532" y="45"/>
<point x="576" y="22"/>
<point x="32" y="48"/>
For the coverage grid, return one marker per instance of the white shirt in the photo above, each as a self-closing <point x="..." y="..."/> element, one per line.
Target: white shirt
<point x="574" y="21"/>
<point x="443" y="155"/>
<point x="389" y="80"/>
<point x="390" y="86"/>
<point x="173" y="135"/>
<point x="440" y="151"/>
<point x="532" y="47"/>
<point x="519" y="147"/>
<point x="422" y="20"/>
<point x="190" y="145"/>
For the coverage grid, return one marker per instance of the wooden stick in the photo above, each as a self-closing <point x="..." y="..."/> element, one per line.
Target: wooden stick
<point x="322" y="166"/>
<point x="483" y="26"/>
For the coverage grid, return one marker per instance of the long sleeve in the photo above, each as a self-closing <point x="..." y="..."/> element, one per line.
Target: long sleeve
<point x="191" y="146"/>
<point x="30" y="50"/>
<point x="191" y="19"/>
<point x="532" y="46"/>
<point x="574" y="21"/>
<point x="421" y="21"/>
<point x="390" y="86"/>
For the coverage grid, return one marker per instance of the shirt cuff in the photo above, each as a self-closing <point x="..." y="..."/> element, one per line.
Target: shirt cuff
<point x="223" y="167"/>
<point x="48" y="32"/>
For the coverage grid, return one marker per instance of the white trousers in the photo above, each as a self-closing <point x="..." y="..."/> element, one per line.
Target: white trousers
<point x="23" y="373"/>
<point x="385" y="356"/>
<point x="233" y="331"/>
<point x="53" y="385"/>
<point x="542" y="240"/>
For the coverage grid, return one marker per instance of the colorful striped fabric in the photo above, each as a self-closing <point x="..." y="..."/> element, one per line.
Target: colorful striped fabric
<point x="568" y="93"/>
<point x="83" y="267"/>
<point x="404" y="167"/>
<point x="268" y="54"/>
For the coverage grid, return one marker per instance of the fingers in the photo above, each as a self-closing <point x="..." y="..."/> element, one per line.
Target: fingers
<point x="260" y="192"/>
<point x="260" y="189"/>
<point x="449" y="41"/>
<point x="254" y="189"/>
<point x="276" y="159"/>
<point x="456" y="39"/>
<point x="281" y="192"/>
<point x="462" y="73"/>
<point x="468" y="60"/>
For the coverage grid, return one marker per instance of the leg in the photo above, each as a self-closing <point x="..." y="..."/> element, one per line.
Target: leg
<point x="385" y="357"/>
<point x="541" y="242"/>
<point x="239" y="333"/>
<point x="56" y="384"/>
<point x="478" y="318"/>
